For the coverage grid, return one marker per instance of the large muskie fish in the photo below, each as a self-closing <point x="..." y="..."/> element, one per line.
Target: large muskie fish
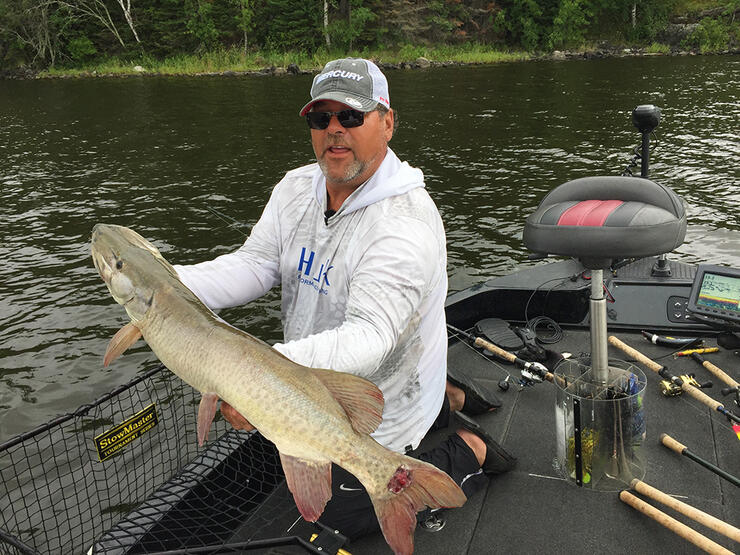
<point x="313" y="416"/>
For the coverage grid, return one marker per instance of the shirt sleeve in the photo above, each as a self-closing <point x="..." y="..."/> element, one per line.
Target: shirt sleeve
<point x="394" y="272"/>
<point x="244" y="275"/>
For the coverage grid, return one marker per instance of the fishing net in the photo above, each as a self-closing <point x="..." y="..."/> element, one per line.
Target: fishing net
<point x="153" y="490"/>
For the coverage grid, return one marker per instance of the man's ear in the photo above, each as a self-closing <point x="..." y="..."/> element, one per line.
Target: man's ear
<point x="388" y="121"/>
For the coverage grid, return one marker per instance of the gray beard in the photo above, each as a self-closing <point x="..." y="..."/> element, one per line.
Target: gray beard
<point x="353" y="170"/>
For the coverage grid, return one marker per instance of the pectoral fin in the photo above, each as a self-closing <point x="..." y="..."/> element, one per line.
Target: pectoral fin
<point x="310" y="484"/>
<point x="124" y="338"/>
<point x="206" y="412"/>
<point x="360" y="398"/>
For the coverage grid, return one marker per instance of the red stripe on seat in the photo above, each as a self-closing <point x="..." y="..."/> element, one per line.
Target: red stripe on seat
<point x="589" y="212"/>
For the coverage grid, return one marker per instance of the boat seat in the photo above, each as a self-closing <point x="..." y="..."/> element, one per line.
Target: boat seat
<point x="599" y="219"/>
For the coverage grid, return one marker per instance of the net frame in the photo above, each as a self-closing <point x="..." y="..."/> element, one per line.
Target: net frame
<point x="161" y="492"/>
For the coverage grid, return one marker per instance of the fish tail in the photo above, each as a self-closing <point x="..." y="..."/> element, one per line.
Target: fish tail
<point x="413" y="486"/>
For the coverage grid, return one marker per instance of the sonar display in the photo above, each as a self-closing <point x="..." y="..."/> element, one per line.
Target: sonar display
<point x="720" y="292"/>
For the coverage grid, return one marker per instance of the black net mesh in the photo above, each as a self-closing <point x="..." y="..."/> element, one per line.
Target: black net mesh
<point x="158" y="492"/>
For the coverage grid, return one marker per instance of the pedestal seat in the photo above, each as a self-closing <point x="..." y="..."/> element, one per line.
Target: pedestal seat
<point x="598" y="219"/>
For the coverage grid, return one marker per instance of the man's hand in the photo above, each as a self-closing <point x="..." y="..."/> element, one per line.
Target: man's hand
<point x="234" y="418"/>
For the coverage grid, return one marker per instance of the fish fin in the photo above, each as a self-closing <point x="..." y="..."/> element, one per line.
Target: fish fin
<point x="206" y="412"/>
<point x="360" y="398"/>
<point x="310" y="484"/>
<point x="124" y="338"/>
<point x="414" y="485"/>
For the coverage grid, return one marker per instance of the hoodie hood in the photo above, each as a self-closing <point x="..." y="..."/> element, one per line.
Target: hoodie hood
<point x="392" y="178"/>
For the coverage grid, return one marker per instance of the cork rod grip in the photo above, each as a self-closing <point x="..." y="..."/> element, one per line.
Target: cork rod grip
<point x="702" y="542"/>
<point x="506" y="355"/>
<point x="719" y="373"/>
<point x="692" y="512"/>
<point x="634" y="353"/>
<point x="672" y="444"/>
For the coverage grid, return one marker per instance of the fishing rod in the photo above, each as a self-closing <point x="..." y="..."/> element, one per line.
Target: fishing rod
<point x="678" y="528"/>
<point x="734" y="386"/>
<point x="714" y="370"/>
<point x="531" y="371"/>
<point x="681" y="449"/>
<point x="693" y="513"/>
<point x="664" y="373"/>
<point x="234" y="223"/>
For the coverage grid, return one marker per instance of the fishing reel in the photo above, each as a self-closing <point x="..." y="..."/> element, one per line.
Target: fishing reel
<point x="672" y="388"/>
<point x="532" y="373"/>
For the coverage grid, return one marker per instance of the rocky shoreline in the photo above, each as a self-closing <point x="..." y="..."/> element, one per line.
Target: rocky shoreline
<point x="603" y="51"/>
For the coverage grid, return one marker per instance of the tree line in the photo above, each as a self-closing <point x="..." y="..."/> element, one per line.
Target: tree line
<point x="45" y="33"/>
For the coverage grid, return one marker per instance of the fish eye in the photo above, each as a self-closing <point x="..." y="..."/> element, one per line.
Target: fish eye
<point x="119" y="264"/>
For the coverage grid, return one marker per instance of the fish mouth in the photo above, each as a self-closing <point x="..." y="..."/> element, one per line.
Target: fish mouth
<point x="99" y="261"/>
<point x="105" y="264"/>
<point x="101" y="265"/>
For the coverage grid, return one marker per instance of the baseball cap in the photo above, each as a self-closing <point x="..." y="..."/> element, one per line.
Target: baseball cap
<point x="355" y="82"/>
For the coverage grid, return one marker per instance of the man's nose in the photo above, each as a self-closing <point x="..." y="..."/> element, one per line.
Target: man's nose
<point x="334" y="125"/>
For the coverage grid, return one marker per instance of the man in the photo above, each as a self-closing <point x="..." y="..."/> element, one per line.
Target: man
<point x="358" y="248"/>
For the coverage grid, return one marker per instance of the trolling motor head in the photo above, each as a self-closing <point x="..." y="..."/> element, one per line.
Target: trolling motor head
<point x="646" y="118"/>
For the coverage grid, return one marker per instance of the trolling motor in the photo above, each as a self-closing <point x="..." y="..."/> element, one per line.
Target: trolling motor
<point x="646" y="118"/>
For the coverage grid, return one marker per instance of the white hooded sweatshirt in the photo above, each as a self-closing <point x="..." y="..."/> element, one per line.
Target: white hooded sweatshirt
<point x="363" y="291"/>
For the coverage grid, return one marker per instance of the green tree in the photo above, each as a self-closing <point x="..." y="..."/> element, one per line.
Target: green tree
<point x="245" y="19"/>
<point x="570" y="24"/>
<point x="350" y="24"/>
<point x="289" y="25"/>
<point x="712" y="35"/>
<point x="33" y="29"/>
<point x="523" y="21"/>
<point x="200" y="23"/>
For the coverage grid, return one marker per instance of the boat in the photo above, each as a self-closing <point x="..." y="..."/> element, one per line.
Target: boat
<point x="602" y="402"/>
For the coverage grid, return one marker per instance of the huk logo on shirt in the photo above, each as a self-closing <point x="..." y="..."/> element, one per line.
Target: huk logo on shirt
<point x="311" y="273"/>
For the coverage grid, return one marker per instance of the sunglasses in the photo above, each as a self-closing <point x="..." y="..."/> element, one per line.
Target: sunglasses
<point x="347" y="118"/>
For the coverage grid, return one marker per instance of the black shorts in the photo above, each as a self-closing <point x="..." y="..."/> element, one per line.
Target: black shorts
<point x="350" y="510"/>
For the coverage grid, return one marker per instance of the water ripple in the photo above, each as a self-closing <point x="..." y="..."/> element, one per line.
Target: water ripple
<point x="490" y="140"/>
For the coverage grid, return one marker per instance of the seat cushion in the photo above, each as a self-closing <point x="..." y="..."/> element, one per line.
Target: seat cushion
<point x="606" y="218"/>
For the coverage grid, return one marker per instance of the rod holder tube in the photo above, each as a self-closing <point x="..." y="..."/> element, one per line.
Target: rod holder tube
<point x="599" y="348"/>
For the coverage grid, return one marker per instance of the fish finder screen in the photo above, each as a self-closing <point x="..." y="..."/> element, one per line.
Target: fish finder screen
<point x="718" y="293"/>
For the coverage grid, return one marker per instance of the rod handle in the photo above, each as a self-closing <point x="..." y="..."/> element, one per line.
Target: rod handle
<point x="693" y="513"/>
<point x="672" y="444"/>
<point x="681" y="449"/>
<point x="506" y="355"/>
<point x="702" y="397"/>
<point x="719" y="373"/>
<point x="689" y="534"/>
<point x="634" y="353"/>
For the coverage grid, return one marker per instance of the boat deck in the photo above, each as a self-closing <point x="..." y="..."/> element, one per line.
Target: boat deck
<point x="534" y="509"/>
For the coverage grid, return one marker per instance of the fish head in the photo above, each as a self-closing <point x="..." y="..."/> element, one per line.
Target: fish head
<point x="130" y="266"/>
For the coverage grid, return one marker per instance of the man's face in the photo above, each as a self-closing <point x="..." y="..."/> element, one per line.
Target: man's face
<point x="349" y="156"/>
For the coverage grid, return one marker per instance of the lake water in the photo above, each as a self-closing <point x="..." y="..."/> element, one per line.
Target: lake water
<point x="161" y="154"/>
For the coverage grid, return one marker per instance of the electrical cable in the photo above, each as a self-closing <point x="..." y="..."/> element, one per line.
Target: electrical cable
<point x="562" y="281"/>
<point x="637" y="157"/>
<point x="553" y="332"/>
